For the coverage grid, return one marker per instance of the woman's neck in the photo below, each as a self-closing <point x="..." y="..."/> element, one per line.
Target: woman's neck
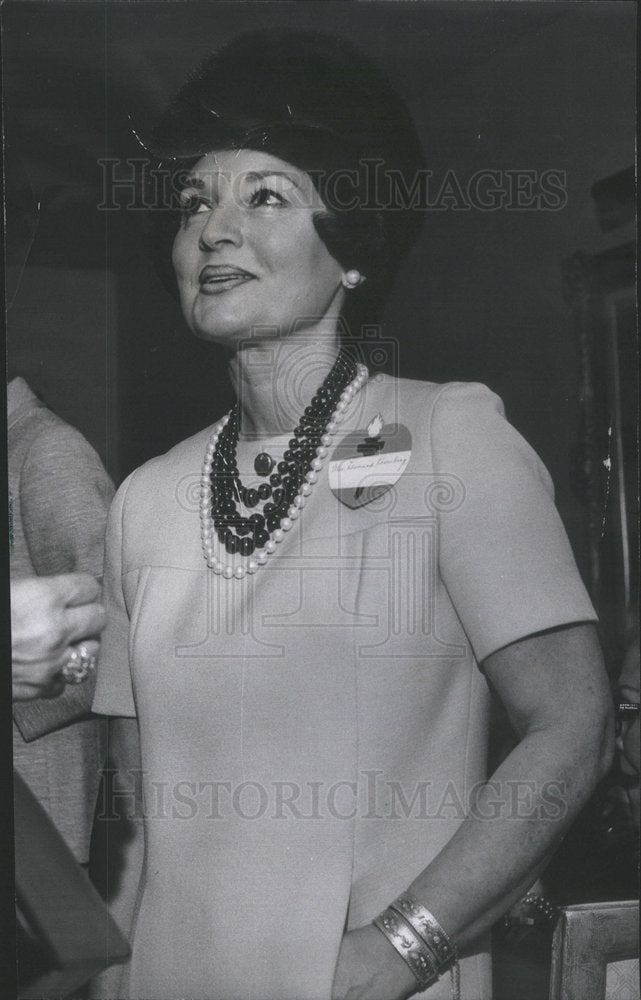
<point x="275" y="379"/>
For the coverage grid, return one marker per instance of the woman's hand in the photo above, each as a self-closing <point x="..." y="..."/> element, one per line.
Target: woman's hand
<point x="49" y="614"/>
<point x="369" y="968"/>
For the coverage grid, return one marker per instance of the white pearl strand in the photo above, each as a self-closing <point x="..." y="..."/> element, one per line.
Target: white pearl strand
<point x="210" y="542"/>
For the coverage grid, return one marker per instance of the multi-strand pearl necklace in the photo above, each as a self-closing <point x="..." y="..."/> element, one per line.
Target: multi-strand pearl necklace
<point x="253" y="538"/>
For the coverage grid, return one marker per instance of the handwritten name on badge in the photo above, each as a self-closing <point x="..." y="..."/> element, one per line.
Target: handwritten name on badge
<point x="382" y="470"/>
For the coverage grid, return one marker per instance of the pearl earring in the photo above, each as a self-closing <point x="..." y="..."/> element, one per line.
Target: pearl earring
<point x="352" y="279"/>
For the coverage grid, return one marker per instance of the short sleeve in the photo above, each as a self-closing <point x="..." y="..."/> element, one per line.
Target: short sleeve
<point x="504" y="556"/>
<point x="114" y="693"/>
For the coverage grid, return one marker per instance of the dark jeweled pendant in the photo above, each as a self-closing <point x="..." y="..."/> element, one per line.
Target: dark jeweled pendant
<point x="263" y="464"/>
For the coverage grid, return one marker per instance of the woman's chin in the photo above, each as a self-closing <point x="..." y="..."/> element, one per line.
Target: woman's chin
<point x="224" y="338"/>
<point x="217" y="329"/>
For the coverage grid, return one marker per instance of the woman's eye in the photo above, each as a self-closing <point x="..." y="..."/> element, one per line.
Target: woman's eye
<point x="266" y="196"/>
<point x="192" y="203"/>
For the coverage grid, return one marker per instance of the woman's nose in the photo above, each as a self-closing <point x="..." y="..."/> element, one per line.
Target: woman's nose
<point x="222" y="225"/>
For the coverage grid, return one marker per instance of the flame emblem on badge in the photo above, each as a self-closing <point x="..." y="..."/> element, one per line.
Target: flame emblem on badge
<point x="372" y="443"/>
<point x="375" y="426"/>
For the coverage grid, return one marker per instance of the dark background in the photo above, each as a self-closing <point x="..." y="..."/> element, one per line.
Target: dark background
<point x="500" y="86"/>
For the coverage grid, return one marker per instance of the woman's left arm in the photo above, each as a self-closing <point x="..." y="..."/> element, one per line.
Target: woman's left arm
<point x="556" y="693"/>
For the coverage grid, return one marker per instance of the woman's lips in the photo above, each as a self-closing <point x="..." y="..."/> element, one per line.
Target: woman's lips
<point x="217" y="278"/>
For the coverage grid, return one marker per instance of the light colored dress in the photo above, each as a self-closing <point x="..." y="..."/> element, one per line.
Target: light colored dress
<point x="311" y="735"/>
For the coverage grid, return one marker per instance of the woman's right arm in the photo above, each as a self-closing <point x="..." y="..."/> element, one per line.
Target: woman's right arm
<point x="126" y="841"/>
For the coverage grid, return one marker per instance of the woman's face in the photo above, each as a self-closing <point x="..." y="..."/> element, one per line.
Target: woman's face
<point x="247" y="254"/>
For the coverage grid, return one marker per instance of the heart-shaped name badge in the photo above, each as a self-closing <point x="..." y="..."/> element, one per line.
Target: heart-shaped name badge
<point x="364" y="465"/>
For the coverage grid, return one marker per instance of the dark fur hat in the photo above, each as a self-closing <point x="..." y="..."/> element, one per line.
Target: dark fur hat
<point x="314" y="101"/>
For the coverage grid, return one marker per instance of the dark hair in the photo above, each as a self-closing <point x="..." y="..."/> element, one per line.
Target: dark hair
<point x="318" y="103"/>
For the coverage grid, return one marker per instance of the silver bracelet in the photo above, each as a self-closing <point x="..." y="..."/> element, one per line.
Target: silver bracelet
<point x="428" y="928"/>
<point x="409" y="945"/>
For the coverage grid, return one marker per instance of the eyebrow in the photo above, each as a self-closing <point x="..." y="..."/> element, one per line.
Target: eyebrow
<point x="193" y="181"/>
<point x="254" y="175"/>
<point x="260" y="175"/>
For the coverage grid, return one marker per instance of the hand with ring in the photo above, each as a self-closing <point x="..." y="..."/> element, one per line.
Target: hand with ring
<point x="78" y="665"/>
<point x="55" y="624"/>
